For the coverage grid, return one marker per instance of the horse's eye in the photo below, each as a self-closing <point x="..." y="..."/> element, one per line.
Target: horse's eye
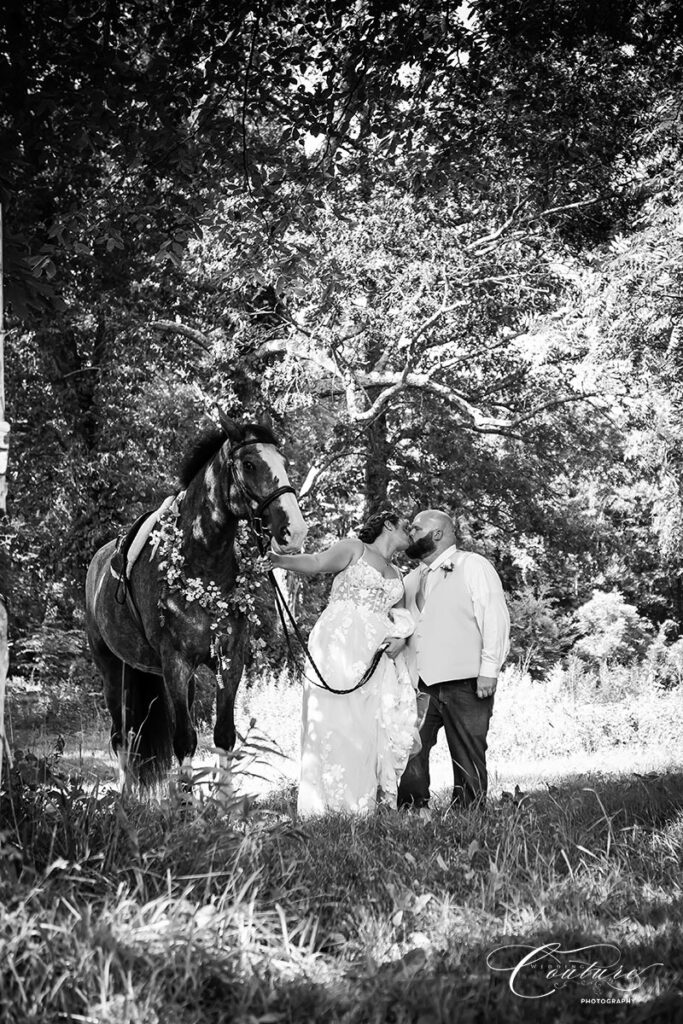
<point x="249" y="465"/>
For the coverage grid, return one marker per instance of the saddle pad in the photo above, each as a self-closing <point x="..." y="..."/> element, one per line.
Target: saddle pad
<point x="134" y="549"/>
<point x="132" y="544"/>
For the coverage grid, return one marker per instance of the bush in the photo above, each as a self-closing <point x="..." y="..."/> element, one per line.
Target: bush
<point x="60" y="707"/>
<point x="538" y="634"/>
<point x="53" y="652"/>
<point x="664" y="657"/>
<point x="610" y="630"/>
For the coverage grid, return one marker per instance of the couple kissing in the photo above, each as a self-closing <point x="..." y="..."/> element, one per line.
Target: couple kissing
<point x="427" y="649"/>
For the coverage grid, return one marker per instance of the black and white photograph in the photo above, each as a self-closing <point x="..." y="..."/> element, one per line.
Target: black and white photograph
<point x="341" y="511"/>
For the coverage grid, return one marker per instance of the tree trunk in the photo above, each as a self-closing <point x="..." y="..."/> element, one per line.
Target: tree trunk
<point x="378" y="451"/>
<point x="4" y="646"/>
<point x="4" y="552"/>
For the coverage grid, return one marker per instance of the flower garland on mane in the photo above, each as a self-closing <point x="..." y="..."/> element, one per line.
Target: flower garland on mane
<point x="167" y="539"/>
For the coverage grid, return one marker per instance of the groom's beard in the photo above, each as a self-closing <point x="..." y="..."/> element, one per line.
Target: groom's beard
<point x="419" y="548"/>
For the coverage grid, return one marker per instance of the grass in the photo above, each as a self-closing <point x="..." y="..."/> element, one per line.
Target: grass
<point x="154" y="912"/>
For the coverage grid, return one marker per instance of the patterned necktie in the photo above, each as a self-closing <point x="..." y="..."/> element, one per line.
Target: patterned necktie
<point x="421" y="594"/>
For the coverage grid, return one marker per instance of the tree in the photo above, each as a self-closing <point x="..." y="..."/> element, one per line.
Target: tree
<point x="375" y="219"/>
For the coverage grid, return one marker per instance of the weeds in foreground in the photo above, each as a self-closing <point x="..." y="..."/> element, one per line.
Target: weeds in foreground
<point x="118" y="910"/>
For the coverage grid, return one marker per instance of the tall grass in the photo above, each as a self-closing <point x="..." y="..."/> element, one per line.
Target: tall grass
<point x="131" y="912"/>
<point x="114" y="910"/>
<point x="574" y="721"/>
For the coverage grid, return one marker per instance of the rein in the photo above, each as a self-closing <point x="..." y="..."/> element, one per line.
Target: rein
<point x="256" y="525"/>
<point x="281" y="604"/>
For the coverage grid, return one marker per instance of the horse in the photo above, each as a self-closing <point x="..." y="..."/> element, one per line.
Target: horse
<point x="149" y="646"/>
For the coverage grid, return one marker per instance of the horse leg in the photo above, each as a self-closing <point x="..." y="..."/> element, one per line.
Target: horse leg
<point x="228" y="679"/>
<point x="179" y="678"/>
<point x="141" y="726"/>
<point x="112" y="670"/>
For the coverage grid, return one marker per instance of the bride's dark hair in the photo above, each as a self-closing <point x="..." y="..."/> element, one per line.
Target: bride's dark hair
<point x="374" y="524"/>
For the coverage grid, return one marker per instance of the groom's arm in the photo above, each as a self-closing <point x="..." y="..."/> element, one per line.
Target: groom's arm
<point x="492" y="618"/>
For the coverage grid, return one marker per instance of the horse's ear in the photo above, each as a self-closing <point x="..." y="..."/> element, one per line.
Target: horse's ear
<point x="266" y="421"/>
<point x="232" y="429"/>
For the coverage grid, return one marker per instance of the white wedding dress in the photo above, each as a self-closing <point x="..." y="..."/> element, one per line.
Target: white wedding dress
<point x="355" y="746"/>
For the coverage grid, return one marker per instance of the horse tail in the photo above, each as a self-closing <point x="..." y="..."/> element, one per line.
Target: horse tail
<point x="148" y="726"/>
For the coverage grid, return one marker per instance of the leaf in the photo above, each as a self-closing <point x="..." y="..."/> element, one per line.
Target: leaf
<point x="413" y="960"/>
<point x="59" y="865"/>
<point x="421" y="902"/>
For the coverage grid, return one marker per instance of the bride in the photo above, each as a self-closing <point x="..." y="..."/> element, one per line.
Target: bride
<point x="354" y="746"/>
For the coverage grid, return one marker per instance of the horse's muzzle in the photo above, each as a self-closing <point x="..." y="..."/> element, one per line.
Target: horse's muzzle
<point x="289" y="528"/>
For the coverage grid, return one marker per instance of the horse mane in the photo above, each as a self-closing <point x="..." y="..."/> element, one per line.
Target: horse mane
<point x="211" y="441"/>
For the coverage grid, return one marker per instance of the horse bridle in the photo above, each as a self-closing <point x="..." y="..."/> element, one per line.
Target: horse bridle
<point x="255" y="515"/>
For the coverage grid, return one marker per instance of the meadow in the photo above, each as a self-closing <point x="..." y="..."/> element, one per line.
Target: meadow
<point x="560" y="902"/>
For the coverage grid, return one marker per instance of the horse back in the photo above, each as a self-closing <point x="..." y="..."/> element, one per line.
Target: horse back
<point x="110" y="618"/>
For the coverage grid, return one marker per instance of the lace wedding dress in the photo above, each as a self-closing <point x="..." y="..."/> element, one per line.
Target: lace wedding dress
<point x="355" y="746"/>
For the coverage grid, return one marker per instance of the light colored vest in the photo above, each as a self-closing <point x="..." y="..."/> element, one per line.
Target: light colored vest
<point x="446" y="643"/>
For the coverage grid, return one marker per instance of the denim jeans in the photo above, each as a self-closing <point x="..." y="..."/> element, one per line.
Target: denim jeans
<point x="465" y="718"/>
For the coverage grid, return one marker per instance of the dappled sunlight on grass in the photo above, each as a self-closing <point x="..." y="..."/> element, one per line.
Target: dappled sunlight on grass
<point x="157" y="910"/>
<point x="127" y="910"/>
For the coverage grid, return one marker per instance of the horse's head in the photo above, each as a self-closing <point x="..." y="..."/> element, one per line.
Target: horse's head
<point x="260" y="486"/>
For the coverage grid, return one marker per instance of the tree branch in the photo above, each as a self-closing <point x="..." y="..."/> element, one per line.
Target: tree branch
<point x="422" y="329"/>
<point x="554" y="404"/>
<point x="494" y="235"/>
<point x="316" y="471"/>
<point x="560" y="209"/>
<point x="282" y="346"/>
<point x="198" y="337"/>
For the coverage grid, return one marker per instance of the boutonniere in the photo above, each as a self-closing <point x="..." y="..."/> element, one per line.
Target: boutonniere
<point x="447" y="567"/>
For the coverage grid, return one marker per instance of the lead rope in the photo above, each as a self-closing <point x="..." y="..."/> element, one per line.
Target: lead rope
<point x="256" y="526"/>
<point x="280" y="604"/>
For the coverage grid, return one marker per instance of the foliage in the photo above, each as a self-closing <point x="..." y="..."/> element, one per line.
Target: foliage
<point x="440" y="244"/>
<point x="167" y="536"/>
<point x="572" y="717"/>
<point x="664" y="659"/>
<point x="54" y="704"/>
<point x="539" y="636"/>
<point x="610" y="630"/>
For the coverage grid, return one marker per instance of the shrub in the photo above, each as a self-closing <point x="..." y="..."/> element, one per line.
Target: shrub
<point x="664" y="657"/>
<point x="58" y="707"/>
<point x="538" y="634"/>
<point x="610" y="630"/>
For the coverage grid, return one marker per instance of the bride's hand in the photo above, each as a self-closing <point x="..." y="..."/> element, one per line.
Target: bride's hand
<point x="393" y="645"/>
<point x="277" y="561"/>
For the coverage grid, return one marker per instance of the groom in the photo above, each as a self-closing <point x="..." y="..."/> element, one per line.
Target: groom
<point x="460" y="642"/>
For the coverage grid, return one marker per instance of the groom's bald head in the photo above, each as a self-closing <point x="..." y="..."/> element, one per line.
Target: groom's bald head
<point x="431" y="531"/>
<point x="435" y="519"/>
